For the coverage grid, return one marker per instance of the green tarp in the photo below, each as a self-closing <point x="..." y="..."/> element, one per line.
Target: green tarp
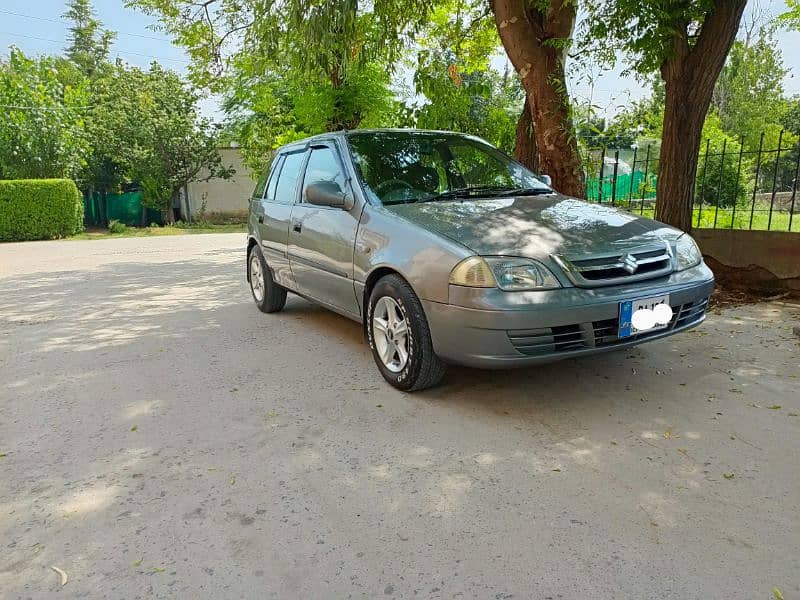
<point x="126" y="208"/>
<point x="632" y="186"/>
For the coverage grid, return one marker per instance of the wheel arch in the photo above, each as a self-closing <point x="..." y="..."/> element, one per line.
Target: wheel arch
<point x="373" y="278"/>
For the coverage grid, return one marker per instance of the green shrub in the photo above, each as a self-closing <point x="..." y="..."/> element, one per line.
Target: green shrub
<point x="115" y="226"/>
<point x="38" y="209"/>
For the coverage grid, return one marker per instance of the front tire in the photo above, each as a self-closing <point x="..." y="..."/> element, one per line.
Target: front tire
<point x="268" y="295"/>
<point x="400" y="338"/>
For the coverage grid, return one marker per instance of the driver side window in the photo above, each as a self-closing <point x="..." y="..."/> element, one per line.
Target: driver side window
<point x="323" y="165"/>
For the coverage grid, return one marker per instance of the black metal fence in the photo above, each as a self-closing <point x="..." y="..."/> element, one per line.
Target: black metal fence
<point x="738" y="185"/>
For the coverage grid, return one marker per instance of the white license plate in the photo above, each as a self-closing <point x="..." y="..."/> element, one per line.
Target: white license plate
<point x="628" y="307"/>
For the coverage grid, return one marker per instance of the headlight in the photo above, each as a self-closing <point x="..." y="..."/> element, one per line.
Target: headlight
<point x="687" y="253"/>
<point x="507" y="273"/>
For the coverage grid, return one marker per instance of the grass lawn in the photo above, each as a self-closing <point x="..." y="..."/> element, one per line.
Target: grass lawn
<point x="180" y="229"/>
<point x="741" y="220"/>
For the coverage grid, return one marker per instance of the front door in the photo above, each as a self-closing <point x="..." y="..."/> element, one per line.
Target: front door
<point x="321" y="238"/>
<point x="276" y="214"/>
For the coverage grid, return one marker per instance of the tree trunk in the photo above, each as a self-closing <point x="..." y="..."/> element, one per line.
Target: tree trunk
<point x="536" y="44"/>
<point x="690" y="74"/>
<point x="525" y="150"/>
<point x="680" y="146"/>
<point x="169" y="214"/>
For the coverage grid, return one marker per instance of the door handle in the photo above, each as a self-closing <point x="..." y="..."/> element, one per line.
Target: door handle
<point x="297" y="226"/>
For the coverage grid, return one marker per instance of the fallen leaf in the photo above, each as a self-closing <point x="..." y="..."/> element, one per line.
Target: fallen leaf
<point x="728" y="475"/>
<point x="158" y="569"/>
<point x="232" y="481"/>
<point x="775" y="407"/>
<point x="63" y="574"/>
<point x="613" y="443"/>
<point x="3" y="454"/>
<point x="793" y="414"/>
<point x="379" y="406"/>
<point x="134" y="428"/>
<point x="777" y="593"/>
<point x="138" y="562"/>
<point x="557" y="470"/>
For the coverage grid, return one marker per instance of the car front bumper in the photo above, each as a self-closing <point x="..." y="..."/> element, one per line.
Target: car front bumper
<point x="492" y="329"/>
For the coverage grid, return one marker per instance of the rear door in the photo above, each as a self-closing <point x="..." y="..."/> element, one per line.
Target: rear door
<point x="321" y="238"/>
<point x="280" y="196"/>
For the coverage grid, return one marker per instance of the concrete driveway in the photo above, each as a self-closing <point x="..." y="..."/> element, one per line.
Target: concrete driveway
<point x="161" y="437"/>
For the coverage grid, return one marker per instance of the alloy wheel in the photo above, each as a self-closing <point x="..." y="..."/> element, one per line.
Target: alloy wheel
<point x="256" y="277"/>
<point x="390" y="334"/>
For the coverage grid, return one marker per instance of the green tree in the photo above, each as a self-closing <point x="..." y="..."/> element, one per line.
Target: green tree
<point x="687" y="43"/>
<point x="482" y="103"/>
<point x="310" y="44"/>
<point x="453" y="75"/>
<point x="147" y="130"/>
<point x="790" y="120"/>
<point x="266" y="109"/>
<point x="791" y="18"/>
<point x="42" y="132"/>
<point x="89" y="43"/>
<point x="748" y="96"/>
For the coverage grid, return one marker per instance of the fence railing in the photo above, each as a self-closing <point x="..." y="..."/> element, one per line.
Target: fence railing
<point x="737" y="186"/>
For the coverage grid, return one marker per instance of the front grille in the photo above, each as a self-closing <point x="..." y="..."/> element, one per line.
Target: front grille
<point x="635" y="265"/>
<point x="597" y="334"/>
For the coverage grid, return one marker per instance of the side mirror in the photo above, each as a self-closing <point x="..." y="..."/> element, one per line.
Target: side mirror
<point x="326" y="193"/>
<point x="547" y="180"/>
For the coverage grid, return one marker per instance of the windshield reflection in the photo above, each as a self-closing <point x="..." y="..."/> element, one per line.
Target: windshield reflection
<point x="400" y="167"/>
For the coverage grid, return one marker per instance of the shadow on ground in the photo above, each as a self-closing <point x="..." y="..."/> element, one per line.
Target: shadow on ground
<point x="160" y="436"/>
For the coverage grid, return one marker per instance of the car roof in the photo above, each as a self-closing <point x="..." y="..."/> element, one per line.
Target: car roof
<point x="347" y="132"/>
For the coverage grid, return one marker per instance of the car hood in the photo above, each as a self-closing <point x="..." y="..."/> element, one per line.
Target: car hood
<point x="536" y="226"/>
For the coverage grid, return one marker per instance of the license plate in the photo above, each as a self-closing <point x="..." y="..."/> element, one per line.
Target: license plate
<point x="628" y="307"/>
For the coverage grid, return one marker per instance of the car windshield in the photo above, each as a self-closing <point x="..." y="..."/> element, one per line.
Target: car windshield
<point x="412" y="166"/>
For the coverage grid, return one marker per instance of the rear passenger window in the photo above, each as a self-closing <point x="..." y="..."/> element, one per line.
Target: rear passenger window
<point x="273" y="179"/>
<point x="258" y="193"/>
<point x="286" y="189"/>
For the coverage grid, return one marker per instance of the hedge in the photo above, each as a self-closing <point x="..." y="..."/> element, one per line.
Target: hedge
<point x="38" y="209"/>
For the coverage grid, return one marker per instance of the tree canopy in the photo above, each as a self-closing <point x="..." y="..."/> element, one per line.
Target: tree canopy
<point x="106" y="125"/>
<point x="89" y="43"/>
<point x="43" y="129"/>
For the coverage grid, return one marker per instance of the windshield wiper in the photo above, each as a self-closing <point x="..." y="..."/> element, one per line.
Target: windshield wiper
<point x="466" y="192"/>
<point x="537" y="191"/>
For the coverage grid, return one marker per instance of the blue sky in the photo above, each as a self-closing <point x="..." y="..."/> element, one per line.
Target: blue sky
<point x="36" y="27"/>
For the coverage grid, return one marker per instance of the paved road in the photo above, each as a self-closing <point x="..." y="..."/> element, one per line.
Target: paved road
<point x="161" y="437"/>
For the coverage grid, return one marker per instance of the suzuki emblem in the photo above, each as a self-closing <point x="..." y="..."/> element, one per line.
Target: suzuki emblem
<point x="629" y="263"/>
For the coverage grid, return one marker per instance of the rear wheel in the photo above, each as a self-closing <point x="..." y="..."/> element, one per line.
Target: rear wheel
<point x="400" y="338"/>
<point x="268" y="295"/>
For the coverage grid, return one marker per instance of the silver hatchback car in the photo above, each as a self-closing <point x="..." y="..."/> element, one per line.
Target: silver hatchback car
<point x="449" y="251"/>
